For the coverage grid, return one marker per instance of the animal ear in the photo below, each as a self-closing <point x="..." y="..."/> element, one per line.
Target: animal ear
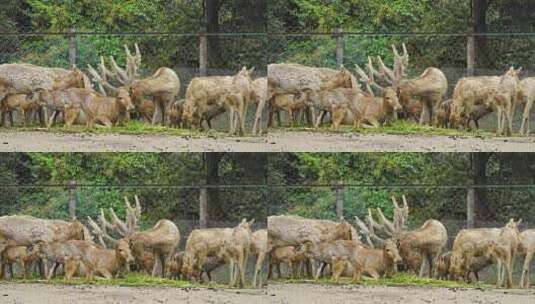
<point x="251" y="71"/>
<point x="251" y="222"/>
<point x="519" y="222"/>
<point x="519" y="70"/>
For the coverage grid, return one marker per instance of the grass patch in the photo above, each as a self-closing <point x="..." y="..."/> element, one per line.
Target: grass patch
<point x="399" y="127"/>
<point x="129" y="128"/>
<point x="130" y="280"/>
<point x="400" y="279"/>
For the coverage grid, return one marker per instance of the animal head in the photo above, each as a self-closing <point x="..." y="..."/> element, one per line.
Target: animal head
<point x="190" y="115"/>
<point x="77" y="78"/>
<point x="512" y="72"/>
<point x="79" y="232"/>
<point x="247" y="225"/>
<point x="190" y="268"/>
<point x="391" y="251"/>
<point x="343" y="231"/>
<point x="123" y="97"/>
<point x="457" y="266"/>
<point x="512" y="224"/>
<point x="244" y="72"/>
<point x="391" y="98"/>
<point x="122" y="249"/>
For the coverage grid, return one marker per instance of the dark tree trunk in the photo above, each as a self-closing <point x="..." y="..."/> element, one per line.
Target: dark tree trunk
<point x="479" y="10"/>
<point x="212" y="8"/>
<point x="212" y="178"/>
<point x="479" y="174"/>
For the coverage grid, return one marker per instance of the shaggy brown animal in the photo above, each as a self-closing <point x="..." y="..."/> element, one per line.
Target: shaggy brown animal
<point x="25" y="104"/>
<point x="108" y="111"/>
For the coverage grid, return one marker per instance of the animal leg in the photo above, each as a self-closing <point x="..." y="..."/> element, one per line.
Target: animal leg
<point x="524" y="279"/>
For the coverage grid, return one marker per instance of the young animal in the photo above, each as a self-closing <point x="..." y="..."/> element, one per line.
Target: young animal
<point x="291" y="103"/>
<point x="25" y="104"/>
<point x="443" y="266"/>
<point x="22" y="255"/>
<point x="174" y="114"/>
<point x="526" y="247"/>
<point x="503" y="250"/>
<point x="374" y="262"/>
<point x="289" y="255"/>
<point x="235" y="249"/>
<point x="106" y="262"/>
<point x="376" y="111"/>
<point x="107" y="110"/>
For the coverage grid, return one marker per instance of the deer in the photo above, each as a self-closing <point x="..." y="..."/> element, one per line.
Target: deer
<point x="497" y="93"/>
<point x="258" y="97"/>
<point x="417" y="247"/>
<point x="107" y="262"/>
<point x="160" y="240"/>
<point x="429" y="88"/>
<point x="151" y="95"/>
<point x="491" y="243"/>
<point x="259" y="247"/>
<point x="526" y="247"/>
<point x="290" y="255"/>
<point x="526" y="96"/>
<point x="23" y="255"/>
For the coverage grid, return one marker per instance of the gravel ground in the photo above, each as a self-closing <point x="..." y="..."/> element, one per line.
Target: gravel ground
<point x="278" y="141"/>
<point x="275" y="294"/>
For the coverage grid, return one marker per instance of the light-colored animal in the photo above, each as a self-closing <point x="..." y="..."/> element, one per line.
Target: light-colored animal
<point x="232" y="93"/>
<point x="526" y="247"/>
<point x="162" y="88"/>
<point x="417" y="247"/>
<point x="291" y="230"/>
<point x="235" y="249"/>
<point x="97" y="260"/>
<point x="373" y="262"/>
<point x="290" y="255"/>
<point x="21" y="255"/>
<point x="498" y="93"/>
<point x="526" y="96"/>
<point x="470" y="243"/>
<point x="27" y="78"/>
<point x="224" y="243"/>
<point x="503" y="251"/>
<point x="27" y="230"/>
<point x="259" y="97"/>
<point x="160" y="240"/>
<point x="291" y="78"/>
<point x="259" y="247"/>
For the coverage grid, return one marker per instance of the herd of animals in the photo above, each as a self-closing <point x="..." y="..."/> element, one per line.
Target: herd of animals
<point x="53" y="94"/>
<point x="374" y="247"/>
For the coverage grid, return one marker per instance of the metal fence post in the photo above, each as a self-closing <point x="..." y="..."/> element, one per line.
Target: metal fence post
<point x="470" y="208"/>
<point x="203" y="52"/>
<point x="72" y="199"/>
<point x="339" y="47"/>
<point x="203" y="207"/>
<point x="72" y="47"/>
<point x="470" y="55"/>
<point x="339" y="201"/>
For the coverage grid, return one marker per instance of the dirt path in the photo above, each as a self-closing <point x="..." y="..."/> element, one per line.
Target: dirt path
<point x="44" y="294"/>
<point x="316" y="294"/>
<point x="11" y="141"/>
<point x="275" y="294"/>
